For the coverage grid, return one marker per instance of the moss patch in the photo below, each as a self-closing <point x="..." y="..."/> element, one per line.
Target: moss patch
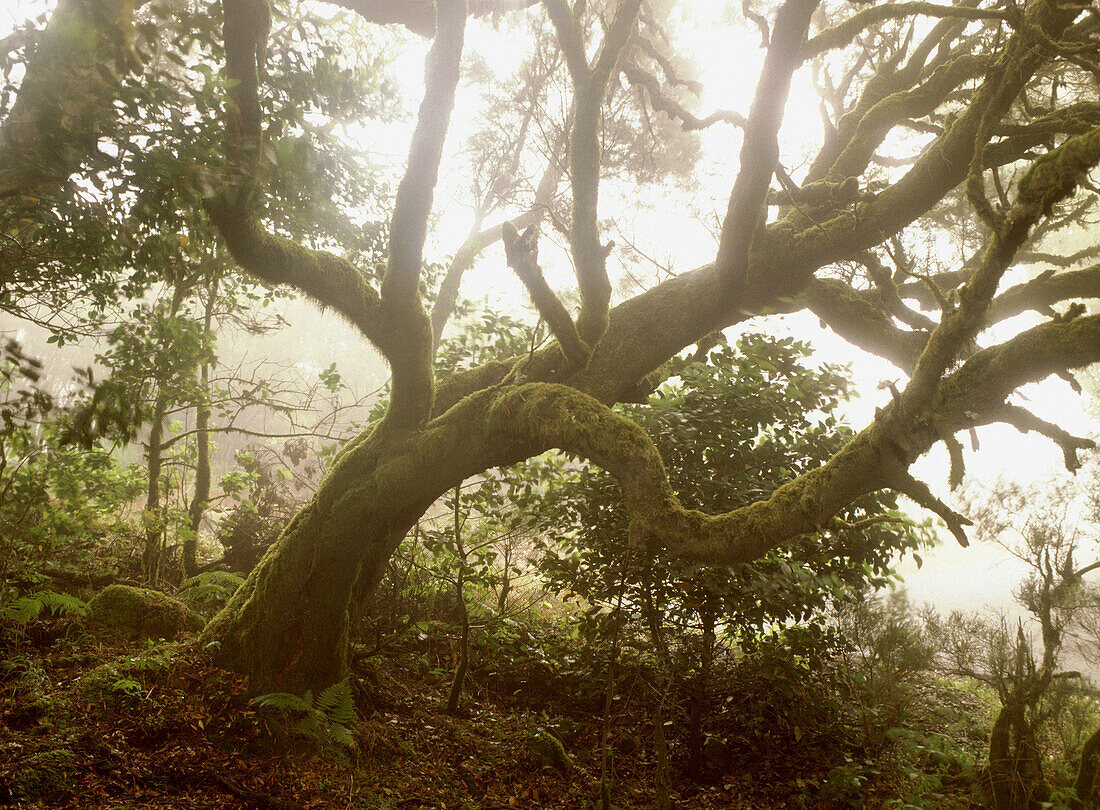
<point x="142" y="613"/>
<point x="45" y="778"/>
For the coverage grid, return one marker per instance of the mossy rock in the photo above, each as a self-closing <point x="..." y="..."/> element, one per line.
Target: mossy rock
<point x="546" y="749"/>
<point x="45" y="778"/>
<point x="142" y="613"/>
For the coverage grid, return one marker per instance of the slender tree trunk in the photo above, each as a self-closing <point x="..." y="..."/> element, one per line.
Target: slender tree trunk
<point x="662" y="775"/>
<point x="201" y="496"/>
<point x="464" y="613"/>
<point x="506" y="582"/>
<point x="153" y="554"/>
<point x="608" y="701"/>
<point x="701" y="687"/>
<point x="463" y="654"/>
<point x="1001" y="770"/>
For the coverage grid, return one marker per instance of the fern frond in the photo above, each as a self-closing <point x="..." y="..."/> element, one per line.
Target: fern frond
<point x="22" y="610"/>
<point x="335" y="703"/>
<point x="211" y="585"/>
<point x="29" y="607"/>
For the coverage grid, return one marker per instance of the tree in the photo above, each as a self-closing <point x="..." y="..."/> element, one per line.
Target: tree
<point x="927" y="111"/>
<point x="1050" y="528"/>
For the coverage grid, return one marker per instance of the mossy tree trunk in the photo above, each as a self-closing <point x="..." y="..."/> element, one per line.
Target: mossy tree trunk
<point x="288" y="627"/>
<point x="1085" y="784"/>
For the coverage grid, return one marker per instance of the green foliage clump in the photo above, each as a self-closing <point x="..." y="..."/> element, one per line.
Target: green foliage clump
<point x="128" y="678"/>
<point x="268" y="494"/>
<point x="730" y="427"/>
<point x="28" y="607"/>
<point x="58" y="501"/>
<point x="886" y="650"/>
<point x="325" y="720"/>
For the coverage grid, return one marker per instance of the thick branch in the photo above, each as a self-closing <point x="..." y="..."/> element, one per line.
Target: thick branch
<point x="941" y="167"/>
<point x="900" y="107"/>
<point x="1025" y="421"/>
<point x="403" y="311"/>
<point x="861" y="322"/>
<point x="975" y="394"/>
<point x="1047" y="289"/>
<point x="328" y="279"/>
<point x="1050" y="179"/>
<point x="760" y="148"/>
<point x="413" y="204"/>
<point x="570" y="37"/>
<point x="618" y="33"/>
<point x="590" y="90"/>
<point x="523" y="253"/>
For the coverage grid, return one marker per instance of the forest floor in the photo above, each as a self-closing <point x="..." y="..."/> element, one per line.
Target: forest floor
<point x="93" y="722"/>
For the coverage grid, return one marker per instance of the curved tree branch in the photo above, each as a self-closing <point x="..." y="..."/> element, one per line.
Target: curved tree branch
<point x="1025" y="421"/>
<point x="660" y="100"/>
<point x="523" y="257"/>
<point x="535" y="417"/>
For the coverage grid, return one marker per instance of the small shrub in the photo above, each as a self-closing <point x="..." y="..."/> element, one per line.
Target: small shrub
<point x="210" y="590"/>
<point x="325" y="720"/>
